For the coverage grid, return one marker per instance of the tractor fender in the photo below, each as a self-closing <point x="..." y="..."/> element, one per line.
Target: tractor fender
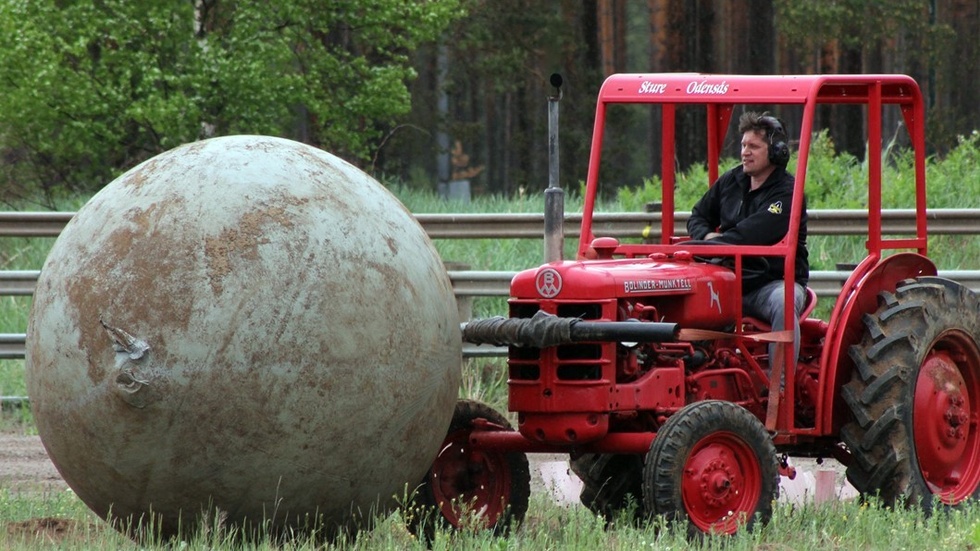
<point x="859" y="296"/>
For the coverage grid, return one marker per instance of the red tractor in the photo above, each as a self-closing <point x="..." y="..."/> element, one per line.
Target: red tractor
<point x="637" y="361"/>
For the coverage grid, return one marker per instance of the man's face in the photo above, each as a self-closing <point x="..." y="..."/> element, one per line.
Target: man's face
<point x="755" y="152"/>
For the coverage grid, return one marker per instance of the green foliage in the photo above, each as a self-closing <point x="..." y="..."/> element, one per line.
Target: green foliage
<point x="533" y="26"/>
<point x="689" y="187"/>
<point x="88" y="89"/>
<point x="861" y="23"/>
<point x="958" y="169"/>
<point x="838" y="180"/>
<point x="851" y="524"/>
<point x="833" y="180"/>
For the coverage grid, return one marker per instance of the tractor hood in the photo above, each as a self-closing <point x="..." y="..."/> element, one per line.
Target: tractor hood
<point x="684" y="291"/>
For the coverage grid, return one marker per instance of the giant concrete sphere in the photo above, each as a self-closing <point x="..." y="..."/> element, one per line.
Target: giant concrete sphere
<point x="247" y="327"/>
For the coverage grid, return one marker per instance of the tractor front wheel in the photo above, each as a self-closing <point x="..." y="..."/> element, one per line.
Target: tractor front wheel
<point x="714" y="465"/>
<point x="471" y="488"/>
<point x="915" y="396"/>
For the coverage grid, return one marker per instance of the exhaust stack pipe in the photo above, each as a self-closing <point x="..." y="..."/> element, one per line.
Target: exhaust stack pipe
<point x="554" y="196"/>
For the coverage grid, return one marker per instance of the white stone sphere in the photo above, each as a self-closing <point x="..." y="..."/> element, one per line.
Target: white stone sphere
<point x="248" y="327"/>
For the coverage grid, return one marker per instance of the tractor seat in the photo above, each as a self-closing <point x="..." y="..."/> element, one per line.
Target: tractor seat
<point x="809" y="303"/>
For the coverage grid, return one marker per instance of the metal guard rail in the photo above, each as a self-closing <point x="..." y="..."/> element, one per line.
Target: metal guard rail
<point x="474" y="284"/>
<point x="529" y="226"/>
<point x="620" y="225"/>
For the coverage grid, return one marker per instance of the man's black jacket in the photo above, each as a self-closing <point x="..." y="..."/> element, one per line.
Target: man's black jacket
<point x="759" y="217"/>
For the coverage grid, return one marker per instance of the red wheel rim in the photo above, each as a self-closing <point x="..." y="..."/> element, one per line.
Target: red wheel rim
<point x="467" y="483"/>
<point x="722" y="483"/>
<point x="944" y="420"/>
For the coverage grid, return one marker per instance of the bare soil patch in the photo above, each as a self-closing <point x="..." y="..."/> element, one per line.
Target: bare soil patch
<point x="49" y="530"/>
<point x="25" y="466"/>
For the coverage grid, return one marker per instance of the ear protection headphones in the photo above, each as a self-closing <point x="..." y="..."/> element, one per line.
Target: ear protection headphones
<point x="778" y="148"/>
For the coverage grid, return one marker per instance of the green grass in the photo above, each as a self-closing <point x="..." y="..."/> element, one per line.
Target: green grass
<point x="843" y="526"/>
<point x="954" y="183"/>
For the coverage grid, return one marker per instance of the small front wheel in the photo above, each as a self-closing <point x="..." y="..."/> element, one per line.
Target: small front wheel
<point x="468" y="487"/>
<point x="714" y="465"/>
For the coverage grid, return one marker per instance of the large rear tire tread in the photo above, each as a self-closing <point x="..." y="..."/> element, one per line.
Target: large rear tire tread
<point x="922" y="318"/>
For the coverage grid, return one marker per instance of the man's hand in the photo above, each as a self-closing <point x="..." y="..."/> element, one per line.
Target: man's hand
<point x="712" y="235"/>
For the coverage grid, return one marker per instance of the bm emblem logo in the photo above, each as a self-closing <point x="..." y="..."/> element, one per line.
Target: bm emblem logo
<point x="548" y="283"/>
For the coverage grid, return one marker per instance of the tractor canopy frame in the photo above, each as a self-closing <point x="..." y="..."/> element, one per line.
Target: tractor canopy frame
<point x="719" y="95"/>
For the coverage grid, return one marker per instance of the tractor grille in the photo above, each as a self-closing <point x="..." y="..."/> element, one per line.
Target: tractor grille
<point x="570" y="362"/>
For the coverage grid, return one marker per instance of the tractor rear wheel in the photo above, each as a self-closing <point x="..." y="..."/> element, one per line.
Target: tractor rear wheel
<point x="471" y="488"/>
<point x="714" y="465"/>
<point x="915" y="396"/>
<point x="611" y="483"/>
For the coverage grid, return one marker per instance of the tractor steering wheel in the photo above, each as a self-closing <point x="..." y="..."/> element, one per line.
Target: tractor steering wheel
<point x="753" y="267"/>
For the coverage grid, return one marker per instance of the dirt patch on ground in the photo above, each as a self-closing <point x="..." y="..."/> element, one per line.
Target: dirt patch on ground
<point x="25" y="466"/>
<point x="49" y="530"/>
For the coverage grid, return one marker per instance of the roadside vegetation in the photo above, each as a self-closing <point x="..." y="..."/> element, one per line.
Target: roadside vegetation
<point x="847" y="525"/>
<point x="60" y="521"/>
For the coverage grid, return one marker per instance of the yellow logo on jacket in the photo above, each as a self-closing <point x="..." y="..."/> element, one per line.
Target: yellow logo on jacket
<point x="776" y="208"/>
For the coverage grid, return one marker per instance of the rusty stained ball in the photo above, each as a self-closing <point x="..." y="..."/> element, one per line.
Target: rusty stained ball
<point x="245" y="326"/>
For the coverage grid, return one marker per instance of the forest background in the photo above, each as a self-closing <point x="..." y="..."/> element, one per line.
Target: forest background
<point x="89" y="89"/>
